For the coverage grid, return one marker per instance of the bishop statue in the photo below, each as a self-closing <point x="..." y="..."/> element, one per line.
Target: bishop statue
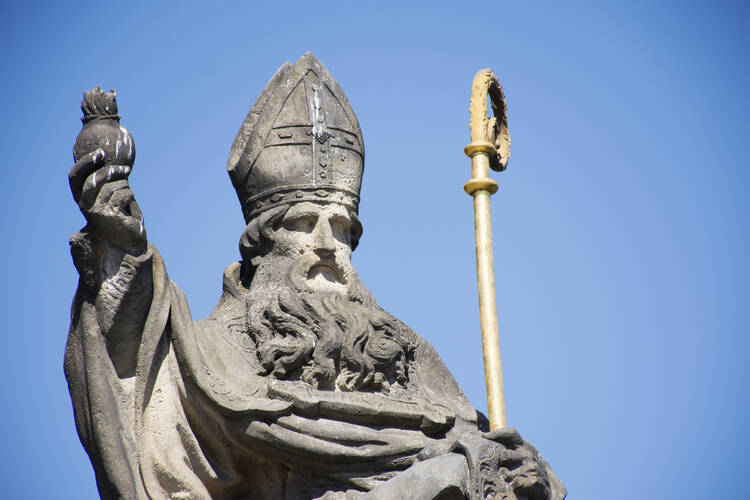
<point x="298" y="385"/>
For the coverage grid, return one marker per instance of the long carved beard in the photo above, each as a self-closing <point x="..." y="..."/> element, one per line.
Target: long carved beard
<point x="327" y="339"/>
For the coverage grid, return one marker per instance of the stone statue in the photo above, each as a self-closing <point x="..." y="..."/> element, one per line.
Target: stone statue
<point x="298" y="385"/>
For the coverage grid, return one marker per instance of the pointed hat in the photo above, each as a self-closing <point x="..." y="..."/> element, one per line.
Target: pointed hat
<point x="299" y="142"/>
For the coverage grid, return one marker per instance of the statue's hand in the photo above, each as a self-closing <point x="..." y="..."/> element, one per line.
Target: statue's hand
<point x="504" y="466"/>
<point x="106" y="200"/>
<point x="521" y="465"/>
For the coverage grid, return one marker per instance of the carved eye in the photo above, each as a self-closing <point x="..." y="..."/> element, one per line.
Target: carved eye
<point x="341" y="228"/>
<point x="303" y="223"/>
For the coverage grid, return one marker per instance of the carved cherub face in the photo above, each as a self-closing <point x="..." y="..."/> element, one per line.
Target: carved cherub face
<point x="317" y="238"/>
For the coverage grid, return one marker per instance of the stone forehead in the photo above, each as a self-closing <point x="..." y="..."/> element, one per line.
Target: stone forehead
<point x="313" y="207"/>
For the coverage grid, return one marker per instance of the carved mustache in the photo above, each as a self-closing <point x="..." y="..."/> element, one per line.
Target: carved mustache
<point x="328" y="268"/>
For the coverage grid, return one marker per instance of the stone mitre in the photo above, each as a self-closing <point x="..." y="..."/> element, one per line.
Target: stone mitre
<point x="299" y="142"/>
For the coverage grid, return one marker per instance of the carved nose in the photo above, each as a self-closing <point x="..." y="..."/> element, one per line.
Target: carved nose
<point x="324" y="239"/>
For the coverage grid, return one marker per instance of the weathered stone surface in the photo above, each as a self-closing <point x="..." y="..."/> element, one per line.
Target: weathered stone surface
<point x="298" y="385"/>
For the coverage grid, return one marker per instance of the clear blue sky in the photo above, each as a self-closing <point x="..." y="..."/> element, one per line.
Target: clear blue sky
<point x="621" y="226"/>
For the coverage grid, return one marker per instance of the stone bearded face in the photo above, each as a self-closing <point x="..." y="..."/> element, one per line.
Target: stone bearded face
<point x="309" y="315"/>
<point x="315" y="240"/>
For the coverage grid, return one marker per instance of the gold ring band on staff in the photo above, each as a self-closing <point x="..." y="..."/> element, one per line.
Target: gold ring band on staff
<point x="481" y="183"/>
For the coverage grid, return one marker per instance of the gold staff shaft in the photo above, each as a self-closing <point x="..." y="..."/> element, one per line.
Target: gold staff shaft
<point x="490" y="147"/>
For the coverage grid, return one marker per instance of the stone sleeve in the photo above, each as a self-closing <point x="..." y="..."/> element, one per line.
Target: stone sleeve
<point x="119" y="284"/>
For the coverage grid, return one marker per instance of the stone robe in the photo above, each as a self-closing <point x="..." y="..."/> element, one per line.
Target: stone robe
<point x="167" y="407"/>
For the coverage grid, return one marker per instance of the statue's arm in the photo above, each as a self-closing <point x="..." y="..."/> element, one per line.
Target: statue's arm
<point x="112" y="255"/>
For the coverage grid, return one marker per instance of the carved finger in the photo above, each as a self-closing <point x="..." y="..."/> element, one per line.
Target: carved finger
<point x="82" y="169"/>
<point x="507" y="436"/>
<point x="96" y="181"/>
<point x="107" y="191"/>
